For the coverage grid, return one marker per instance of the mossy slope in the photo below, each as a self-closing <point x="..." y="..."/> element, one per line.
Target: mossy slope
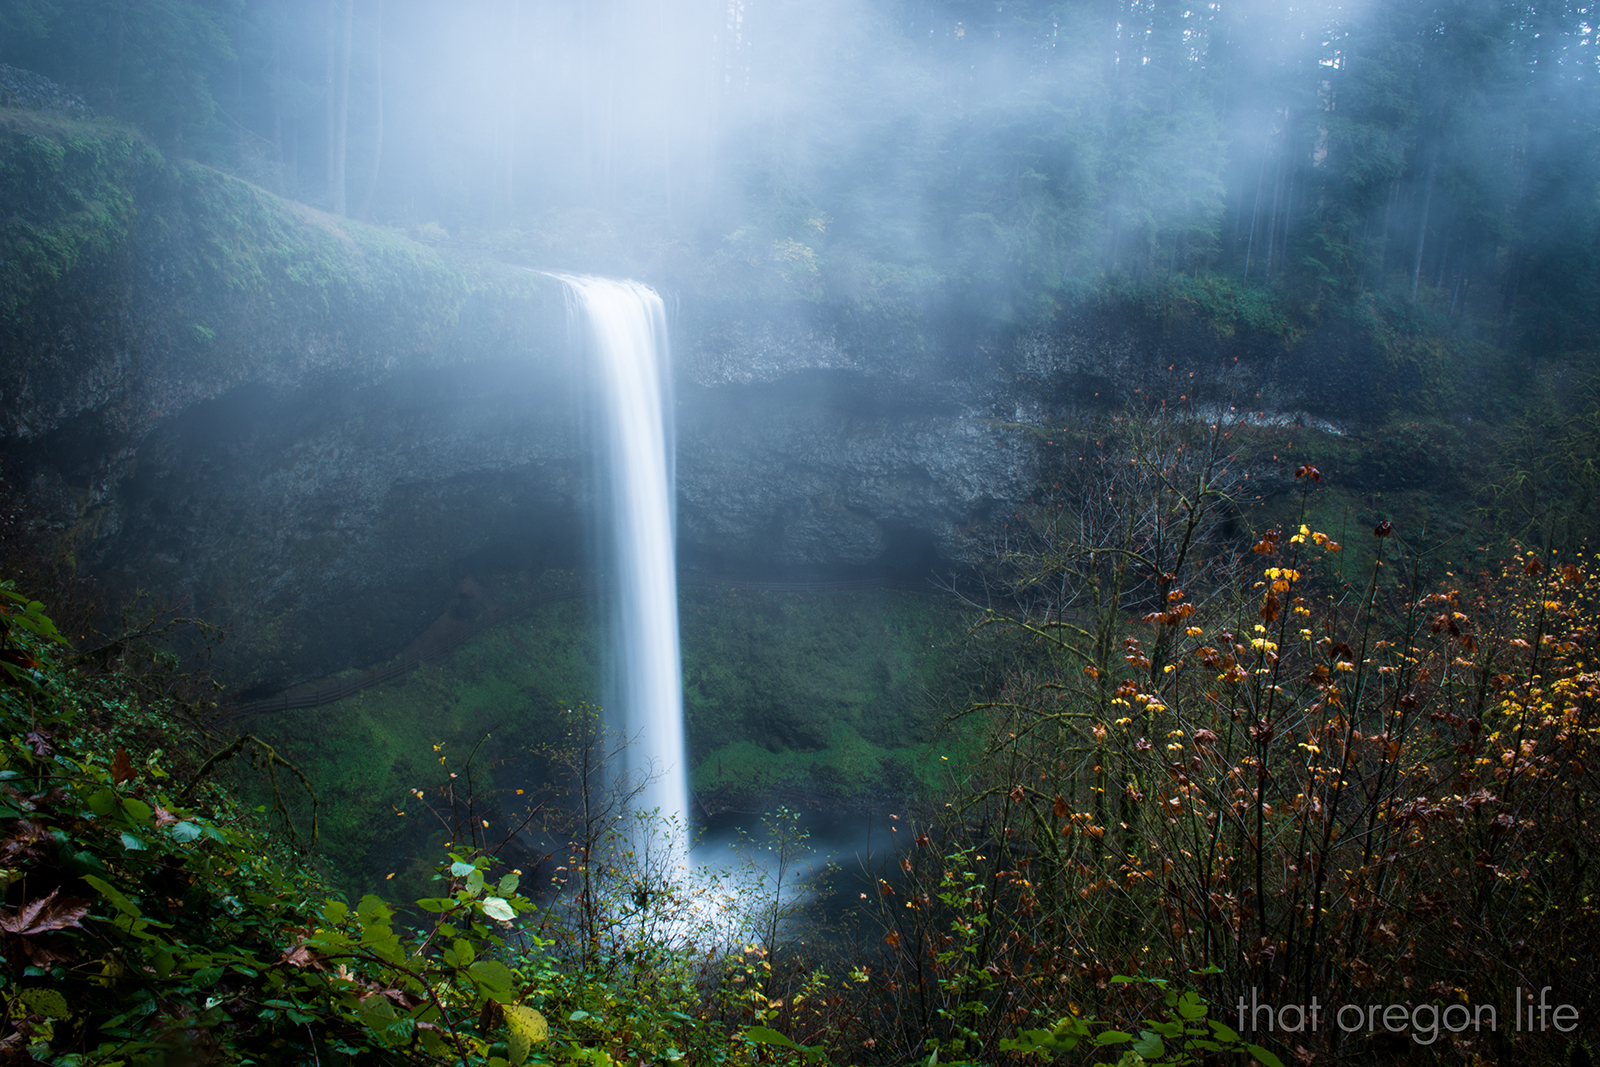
<point x="830" y="693"/>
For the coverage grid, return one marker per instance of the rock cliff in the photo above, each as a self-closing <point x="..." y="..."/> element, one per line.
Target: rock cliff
<point x="310" y="429"/>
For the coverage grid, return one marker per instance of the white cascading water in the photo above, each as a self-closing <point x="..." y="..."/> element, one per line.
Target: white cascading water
<point x="624" y="328"/>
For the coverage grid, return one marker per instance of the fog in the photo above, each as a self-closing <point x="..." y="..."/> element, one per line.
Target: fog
<point x="1122" y="471"/>
<point x="839" y="150"/>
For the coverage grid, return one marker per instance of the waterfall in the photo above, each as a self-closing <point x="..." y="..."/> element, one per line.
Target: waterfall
<point x="623" y="328"/>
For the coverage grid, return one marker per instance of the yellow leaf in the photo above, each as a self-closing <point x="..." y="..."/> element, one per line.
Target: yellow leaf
<point x="527" y="1022"/>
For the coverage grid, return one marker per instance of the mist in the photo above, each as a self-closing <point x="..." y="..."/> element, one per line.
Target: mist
<point x="846" y="150"/>
<point x="1140" y="455"/>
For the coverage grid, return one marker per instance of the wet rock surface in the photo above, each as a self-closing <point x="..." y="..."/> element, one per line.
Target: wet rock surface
<point x="312" y="430"/>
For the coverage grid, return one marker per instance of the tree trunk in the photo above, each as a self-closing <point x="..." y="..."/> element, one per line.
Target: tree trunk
<point x="116" y="51"/>
<point x="512" y="97"/>
<point x="330" y="105"/>
<point x="1422" y="225"/>
<point x="1277" y="195"/>
<point x="275" y="96"/>
<point x="377" y="138"/>
<point x="1508" y="306"/>
<point x="342" y="116"/>
<point x="1255" y="210"/>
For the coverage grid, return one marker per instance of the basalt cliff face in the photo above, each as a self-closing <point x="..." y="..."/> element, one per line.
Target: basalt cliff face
<point x="314" y="431"/>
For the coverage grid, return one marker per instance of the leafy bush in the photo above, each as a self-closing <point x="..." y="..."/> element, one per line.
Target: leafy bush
<point x="150" y="919"/>
<point x="1286" y="781"/>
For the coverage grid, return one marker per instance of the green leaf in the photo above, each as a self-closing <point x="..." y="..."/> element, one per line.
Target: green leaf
<point x="206" y="976"/>
<point x="186" y="831"/>
<point x="509" y="883"/>
<point x="1267" y="1059"/>
<point x="1112" y="1037"/>
<point x="497" y="908"/>
<point x="1192" y="1006"/>
<point x="436" y="904"/>
<point x="494" y="978"/>
<point x="46" y="1002"/>
<point x="1030" y="1041"/>
<point x="131" y="843"/>
<point x="765" y="1035"/>
<point x="464" y="952"/>
<point x="461" y="870"/>
<point x="335" y="911"/>
<point x="137" y="810"/>
<point x="374" y="908"/>
<point x="474" y="884"/>
<point x="111" y="893"/>
<point x="1149" y="1045"/>
<point x="103" y="802"/>
<point x="377" y="1007"/>
<point x="1225" y="1032"/>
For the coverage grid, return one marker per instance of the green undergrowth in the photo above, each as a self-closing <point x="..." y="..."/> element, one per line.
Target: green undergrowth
<point x="1430" y="478"/>
<point x="153" y="920"/>
<point x="505" y="688"/>
<point x="820" y="678"/>
<point x="836" y="693"/>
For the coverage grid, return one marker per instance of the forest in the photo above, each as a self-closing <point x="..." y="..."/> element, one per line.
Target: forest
<point x="1128" y="492"/>
<point x="1328" y="160"/>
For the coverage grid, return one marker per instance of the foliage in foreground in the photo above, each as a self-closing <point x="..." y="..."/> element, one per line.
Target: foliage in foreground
<point x="1286" y="780"/>
<point x="1284" y="783"/>
<point x="150" y="920"/>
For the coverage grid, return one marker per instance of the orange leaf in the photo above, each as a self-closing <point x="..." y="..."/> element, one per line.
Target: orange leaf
<point x="1271" y="607"/>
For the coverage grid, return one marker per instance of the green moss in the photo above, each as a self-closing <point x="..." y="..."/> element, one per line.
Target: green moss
<point x="70" y="187"/>
<point x="98" y="219"/>
<point x="784" y="669"/>
<point x="1224" y="306"/>
<point x="849" y="767"/>
<point x="833" y="692"/>
<point x="367" y="752"/>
